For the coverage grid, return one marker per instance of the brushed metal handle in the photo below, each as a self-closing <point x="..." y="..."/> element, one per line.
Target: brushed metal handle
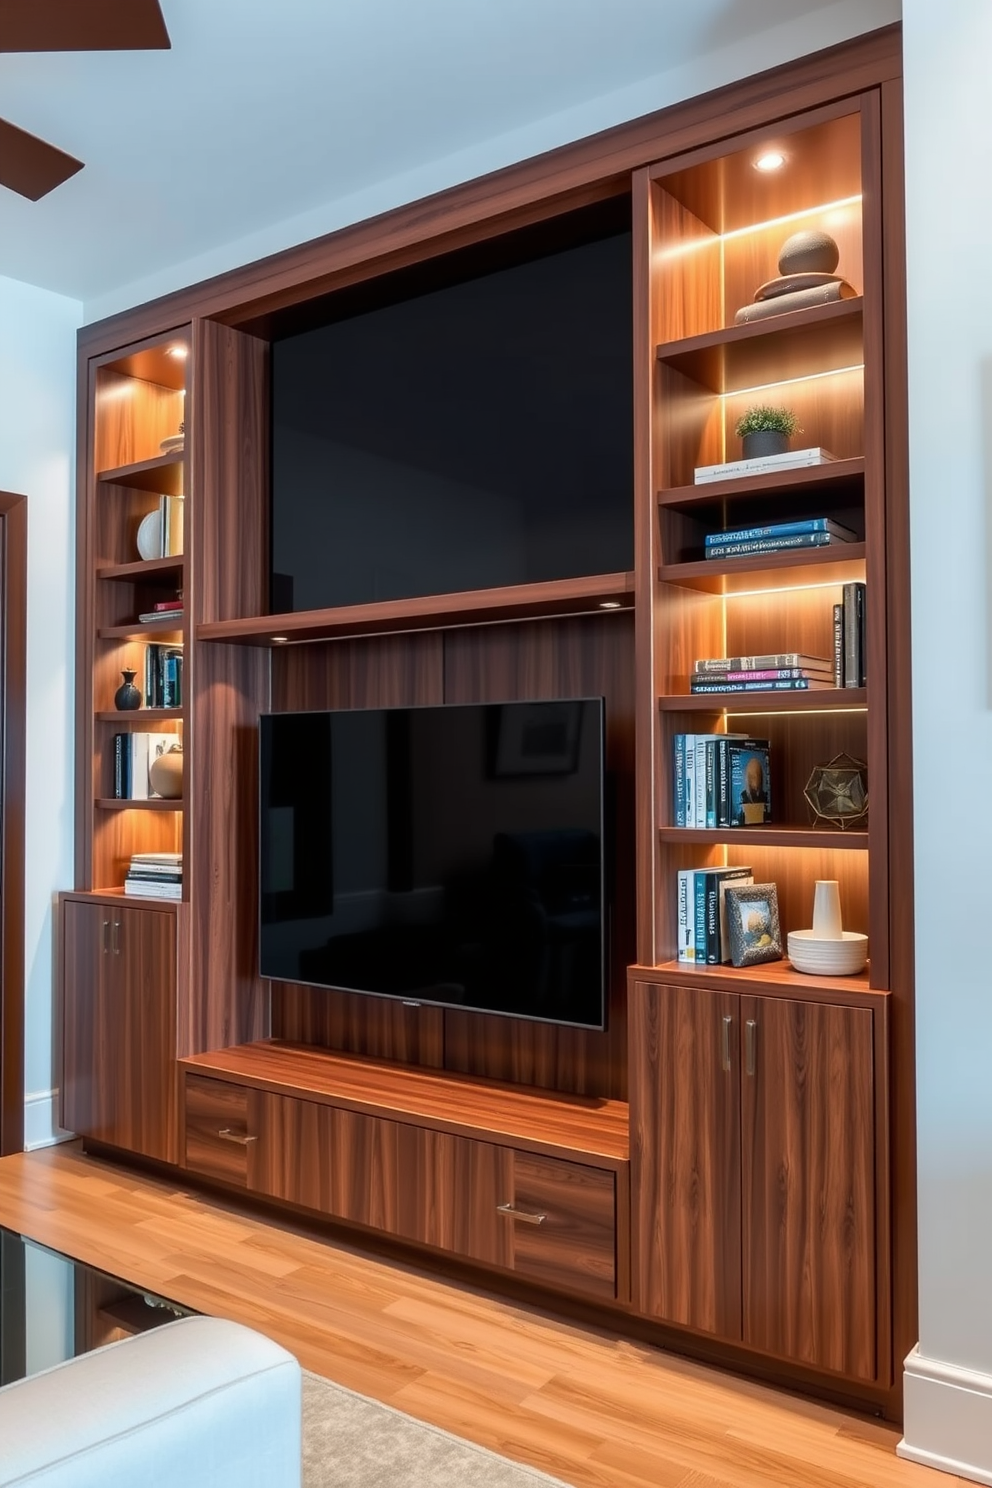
<point x="512" y="1213"/>
<point x="106" y="936"/>
<point x="241" y="1138"/>
<point x="750" y="1043"/>
<point x="725" y="1043"/>
<point x="115" y="937"/>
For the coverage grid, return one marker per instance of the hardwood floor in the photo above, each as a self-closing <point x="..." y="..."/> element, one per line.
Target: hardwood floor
<point x="595" y="1411"/>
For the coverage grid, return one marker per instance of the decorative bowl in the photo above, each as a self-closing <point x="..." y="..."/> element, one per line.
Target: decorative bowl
<point x="818" y="957"/>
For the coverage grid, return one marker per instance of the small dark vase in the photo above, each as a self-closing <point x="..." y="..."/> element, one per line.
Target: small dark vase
<point x="765" y="442"/>
<point x="127" y="695"/>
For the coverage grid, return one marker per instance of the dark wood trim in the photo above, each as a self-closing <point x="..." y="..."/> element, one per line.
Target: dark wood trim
<point x="530" y="191"/>
<point x="13" y="639"/>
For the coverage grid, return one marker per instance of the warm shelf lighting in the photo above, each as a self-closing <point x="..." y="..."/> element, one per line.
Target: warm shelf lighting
<point x="610" y="604"/>
<point x="790" y="588"/>
<point x="280" y="640"/>
<point x="694" y="244"/>
<point x="771" y="160"/>
<point x="764" y="387"/>
<point x="179" y="351"/>
<point x="734" y="712"/>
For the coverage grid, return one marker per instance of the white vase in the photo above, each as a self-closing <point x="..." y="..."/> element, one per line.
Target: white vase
<point x="826" y="910"/>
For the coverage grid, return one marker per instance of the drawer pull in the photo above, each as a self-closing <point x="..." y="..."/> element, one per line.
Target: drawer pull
<point x="241" y="1138"/>
<point x="512" y="1213"/>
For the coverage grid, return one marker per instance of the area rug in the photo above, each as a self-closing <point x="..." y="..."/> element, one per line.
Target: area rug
<point x="350" y="1441"/>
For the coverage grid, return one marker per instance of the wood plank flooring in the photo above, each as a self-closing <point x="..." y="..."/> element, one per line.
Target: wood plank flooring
<point x="593" y="1410"/>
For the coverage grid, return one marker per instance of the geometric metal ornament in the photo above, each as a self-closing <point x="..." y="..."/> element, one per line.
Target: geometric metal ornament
<point x="838" y="792"/>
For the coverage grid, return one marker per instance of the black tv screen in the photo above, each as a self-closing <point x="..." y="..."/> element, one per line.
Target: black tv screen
<point x="468" y="436"/>
<point x="449" y="855"/>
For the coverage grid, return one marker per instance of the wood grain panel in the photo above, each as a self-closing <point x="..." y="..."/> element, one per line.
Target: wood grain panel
<point x="685" y="1156"/>
<point x="687" y="297"/>
<point x="119" y="1072"/>
<point x="132" y="418"/>
<point x="587" y="1129"/>
<point x="213" y="1108"/>
<point x="557" y="659"/>
<point x="751" y="259"/>
<point x="381" y="672"/>
<point x="795" y="870"/>
<point x="807" y="1143"/>
<point x="574" y="1246"/>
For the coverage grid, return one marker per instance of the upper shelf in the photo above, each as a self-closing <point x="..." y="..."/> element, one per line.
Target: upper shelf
<point x="791" y="569"/>
<point x="832" y="699"/>
<point x="153" y="570"/>
<point x="811" y="480"/>
<point x="163" y="474"/>
<point x="801" y="343"/>
<point x="588" y="595"/>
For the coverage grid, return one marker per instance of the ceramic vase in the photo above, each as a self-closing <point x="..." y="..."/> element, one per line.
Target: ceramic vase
<point x="127" y="696"/>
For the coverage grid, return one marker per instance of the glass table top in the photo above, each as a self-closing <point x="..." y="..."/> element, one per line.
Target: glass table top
<point x="53" y="1308"/>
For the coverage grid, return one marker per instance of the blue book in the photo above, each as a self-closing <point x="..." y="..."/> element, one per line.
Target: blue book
<point x="782" y="529"/>
<point x="678" y="771"/>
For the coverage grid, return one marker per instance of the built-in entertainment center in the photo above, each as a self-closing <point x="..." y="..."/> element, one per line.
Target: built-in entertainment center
<point x="421" y="582"/>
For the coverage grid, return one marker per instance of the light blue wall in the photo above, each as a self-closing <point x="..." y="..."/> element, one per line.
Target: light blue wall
<point x="37" y="446"/>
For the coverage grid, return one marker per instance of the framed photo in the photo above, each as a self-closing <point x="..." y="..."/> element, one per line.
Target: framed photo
<point x="535" y="739"/>
<point x="752" y="924"/>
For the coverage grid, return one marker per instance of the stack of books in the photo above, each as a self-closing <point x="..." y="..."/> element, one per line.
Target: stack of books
<point x="702" y="915"/>
<point x="781" y="671"/>
<point x="849" y="637"/>
<point x="134" y="755"/>
<point x="166" y="609"/>
<point x="155" y="875"/>
<point x="163" y="676"/>
<point x="743" y="542"/>
<point x="721" y="780"/>
<point x="762" y="465"/>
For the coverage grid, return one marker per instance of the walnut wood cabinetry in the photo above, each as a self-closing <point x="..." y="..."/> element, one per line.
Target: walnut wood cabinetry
<point x="761" y="1202"/>
<point x="119" y="972"/>
<point x="753" y="1153"/>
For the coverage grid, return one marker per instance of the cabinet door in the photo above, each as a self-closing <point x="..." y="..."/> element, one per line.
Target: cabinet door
<point x="120" y="1027"/>
<point x="685" y="1156"/>
<point x="808" y="1183"/>
<point x="563" y="1224"/>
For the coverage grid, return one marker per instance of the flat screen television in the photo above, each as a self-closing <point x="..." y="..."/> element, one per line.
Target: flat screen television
<point x="448" y="855"/>
<point x="466" y="426"/>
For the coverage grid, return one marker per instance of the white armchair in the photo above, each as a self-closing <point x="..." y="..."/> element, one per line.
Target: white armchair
<point x="199" y="1403"/>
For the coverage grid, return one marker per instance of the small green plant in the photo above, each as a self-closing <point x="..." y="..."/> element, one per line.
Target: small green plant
<point x="754" y="420"/>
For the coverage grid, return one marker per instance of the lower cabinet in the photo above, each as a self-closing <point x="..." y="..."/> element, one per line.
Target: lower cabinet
<point x="119" y="1026"/>
<point x="550" y="1220"/>
<point x="753" y="1171"/>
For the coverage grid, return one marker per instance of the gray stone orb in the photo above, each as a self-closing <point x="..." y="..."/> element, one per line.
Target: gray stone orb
<point x="809" y="253"/>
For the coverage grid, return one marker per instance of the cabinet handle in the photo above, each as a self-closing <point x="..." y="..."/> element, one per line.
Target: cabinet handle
<point x="725" y="1043"/>
<point x="241" y="1138"/>
<point x="115" y="937"/>
<point x="750" y="1040"/>
<point x="106" y="936"/>
<point x="511" y="1213"/>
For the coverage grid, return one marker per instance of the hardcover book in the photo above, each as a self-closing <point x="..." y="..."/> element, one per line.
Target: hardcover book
<point x="782" y="529"/>
<point x="749" y="780"/>
<point x="764" y="465"/>
<point x="762" y="663"/>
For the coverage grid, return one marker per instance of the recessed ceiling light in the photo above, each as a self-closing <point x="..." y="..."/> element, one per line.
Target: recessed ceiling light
<point x="771" y="160"/>
<point x="280" y="640"/>
<point x="610" y="604"/>
<point x="179" y="351"/>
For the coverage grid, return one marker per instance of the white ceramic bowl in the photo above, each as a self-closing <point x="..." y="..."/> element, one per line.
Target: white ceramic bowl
<point x="819" y="957"/>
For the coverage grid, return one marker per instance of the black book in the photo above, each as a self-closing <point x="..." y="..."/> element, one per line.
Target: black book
<point x="854" y="599"/>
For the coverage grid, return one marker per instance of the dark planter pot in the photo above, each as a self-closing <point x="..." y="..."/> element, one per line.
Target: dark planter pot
<point x="765" y="442"/>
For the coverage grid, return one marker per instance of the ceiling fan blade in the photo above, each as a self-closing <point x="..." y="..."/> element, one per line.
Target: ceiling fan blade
<point x="82" y="26"/>
<point x="31" y="167"/>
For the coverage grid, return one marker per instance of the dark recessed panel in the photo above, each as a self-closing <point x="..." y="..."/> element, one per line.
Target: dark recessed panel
<point x="31" y="167"/>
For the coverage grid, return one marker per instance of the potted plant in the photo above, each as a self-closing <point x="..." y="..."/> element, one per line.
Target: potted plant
<point x="765" y="431"/>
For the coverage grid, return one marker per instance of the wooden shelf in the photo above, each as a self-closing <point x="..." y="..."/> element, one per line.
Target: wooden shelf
<point x="583" y="596"/>
<point x="139" y="715"/>
<point x="165" y="569"/>
<point x="139" y="631"/>
<point x="801" y="343"/>
<point x="135" y="1315"/>
<point x="162" y="474"/>
<point x="806" y="481"/>
<point x="792" y="569"/>
<point x="771" y="836"/>
<point x="111" y="803"/>
<point x="571" y="1126"/>
<point x="832" y="699"/>
<point x="771" y="979"/>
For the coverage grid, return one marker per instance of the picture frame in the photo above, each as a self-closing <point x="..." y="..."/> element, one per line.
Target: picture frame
<point x="534" y="739"/>
<point x="753" y="924"/>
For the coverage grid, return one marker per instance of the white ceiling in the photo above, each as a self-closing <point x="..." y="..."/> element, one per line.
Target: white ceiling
<point x="266" y="111"/>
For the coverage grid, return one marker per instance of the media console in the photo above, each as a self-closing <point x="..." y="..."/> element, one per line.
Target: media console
<point x="728" y="1166"/>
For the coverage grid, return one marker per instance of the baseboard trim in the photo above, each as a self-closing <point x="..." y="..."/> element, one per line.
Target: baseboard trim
<point x="41" y="1120"/>
<point x="948" y="1418"/>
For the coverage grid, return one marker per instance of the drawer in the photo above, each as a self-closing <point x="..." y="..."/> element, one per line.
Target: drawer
<point x="563" y="1224"/>
<point x="217" y="1136"/>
